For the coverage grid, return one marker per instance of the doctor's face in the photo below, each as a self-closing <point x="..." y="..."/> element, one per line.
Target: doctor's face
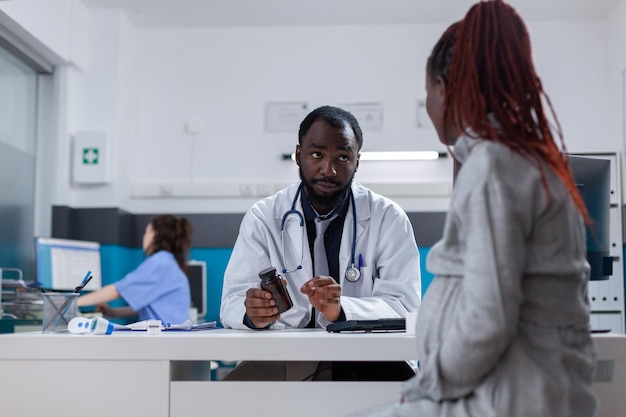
<point x="328" y="159"/>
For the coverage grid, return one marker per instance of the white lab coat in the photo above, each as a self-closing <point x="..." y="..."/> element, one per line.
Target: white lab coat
<point x="390" y="276"/>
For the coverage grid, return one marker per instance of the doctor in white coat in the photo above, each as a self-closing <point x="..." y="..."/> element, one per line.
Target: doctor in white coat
<point x="373" y="260"/>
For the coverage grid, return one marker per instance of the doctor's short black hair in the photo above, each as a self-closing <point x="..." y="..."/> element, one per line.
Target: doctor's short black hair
<point x="335" y="117"/>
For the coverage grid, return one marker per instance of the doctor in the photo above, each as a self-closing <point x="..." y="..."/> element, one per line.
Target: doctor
<point x="372" y="265"/>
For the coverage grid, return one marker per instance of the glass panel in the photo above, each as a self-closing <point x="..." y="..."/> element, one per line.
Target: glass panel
<point x="18" y="126"/>
<point x="18" y="103"/>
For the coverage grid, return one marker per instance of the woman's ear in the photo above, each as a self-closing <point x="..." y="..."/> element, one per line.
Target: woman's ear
<point x="440" y="89"/>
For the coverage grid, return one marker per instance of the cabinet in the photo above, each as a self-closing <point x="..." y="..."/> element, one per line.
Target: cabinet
<point x="607" y="297"/>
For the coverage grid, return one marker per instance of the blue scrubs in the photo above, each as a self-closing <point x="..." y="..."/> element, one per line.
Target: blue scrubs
<point x="158" y="289"/>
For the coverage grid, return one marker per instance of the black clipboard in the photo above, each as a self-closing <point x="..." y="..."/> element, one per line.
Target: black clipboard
<point x="378" y="325"/>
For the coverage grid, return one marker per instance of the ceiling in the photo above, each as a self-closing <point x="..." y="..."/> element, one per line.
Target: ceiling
<point x="223" y="13"/>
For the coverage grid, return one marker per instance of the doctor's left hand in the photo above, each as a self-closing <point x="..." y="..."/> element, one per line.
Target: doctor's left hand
<point x="325" y="295"/>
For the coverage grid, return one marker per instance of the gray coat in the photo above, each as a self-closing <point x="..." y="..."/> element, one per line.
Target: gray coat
<point x="504" y="328"/>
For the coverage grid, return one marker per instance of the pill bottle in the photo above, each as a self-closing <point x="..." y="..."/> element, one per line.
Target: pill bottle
<point x="272" y="282"/>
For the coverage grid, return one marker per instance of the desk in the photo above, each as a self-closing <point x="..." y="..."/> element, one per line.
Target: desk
<point x="128" y="373"/>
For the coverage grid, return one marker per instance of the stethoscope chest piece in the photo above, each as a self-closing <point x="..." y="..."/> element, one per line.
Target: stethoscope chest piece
<point x="353" y="274"/>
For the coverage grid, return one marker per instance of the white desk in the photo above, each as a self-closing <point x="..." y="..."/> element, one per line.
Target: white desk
<point x="610" y="384"/>
<point x="128" y="374"/>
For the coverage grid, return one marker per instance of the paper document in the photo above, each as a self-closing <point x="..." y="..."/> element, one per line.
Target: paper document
<point x="187" y="325"/>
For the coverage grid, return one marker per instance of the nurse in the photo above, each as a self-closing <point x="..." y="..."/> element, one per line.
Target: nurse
<point x="158" y="289"/>
<point x="364" y="266"/>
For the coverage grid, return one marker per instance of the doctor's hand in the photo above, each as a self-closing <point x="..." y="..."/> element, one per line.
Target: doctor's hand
<point x="260" y="307"/>
<point x="325" y="295"/>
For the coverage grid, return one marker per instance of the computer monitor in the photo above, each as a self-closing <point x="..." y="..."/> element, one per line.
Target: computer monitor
<point x="593" y="178"/>
<point x="61" y="264"/>
<point x="198" y="285"/>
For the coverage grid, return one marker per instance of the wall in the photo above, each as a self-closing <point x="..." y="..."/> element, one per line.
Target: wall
<point x="222" y="79"/>
<point x="616" y="68"/>
<point x="57" y="28"/>
<point x="102" y="99"/>
<point x="141" y="86"/>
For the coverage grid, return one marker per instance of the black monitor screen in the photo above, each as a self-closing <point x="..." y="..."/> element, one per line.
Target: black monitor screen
<point x="197" y="285"/>
<point x="593" y="178"/>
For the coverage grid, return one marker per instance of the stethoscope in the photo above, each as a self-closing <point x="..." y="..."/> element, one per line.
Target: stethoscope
<point x="353" y="273"/>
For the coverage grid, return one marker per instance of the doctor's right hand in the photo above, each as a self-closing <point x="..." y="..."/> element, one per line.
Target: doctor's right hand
<point x="324" y="295"/>
<point x="261" y="307"/>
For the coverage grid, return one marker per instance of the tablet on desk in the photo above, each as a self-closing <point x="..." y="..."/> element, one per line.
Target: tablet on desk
<point x="378" y="325"/>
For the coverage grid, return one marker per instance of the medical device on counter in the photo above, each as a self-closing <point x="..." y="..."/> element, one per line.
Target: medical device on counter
<point x="99" y="325"/>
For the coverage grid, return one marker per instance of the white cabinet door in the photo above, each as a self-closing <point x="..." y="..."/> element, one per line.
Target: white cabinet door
<point x="84" y="388"/>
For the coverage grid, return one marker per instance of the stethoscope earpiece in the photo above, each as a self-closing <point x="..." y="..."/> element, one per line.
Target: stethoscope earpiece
<point x="285" y="270"/>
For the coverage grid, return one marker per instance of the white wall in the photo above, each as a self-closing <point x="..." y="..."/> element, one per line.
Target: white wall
<point x="616" y="67"/>
<point x="103" y="99"/>
<point x="223" y="78"/>
<point x="140" y="87"/>
<point x="571" y="60"/>
<point x="59" y="24"/>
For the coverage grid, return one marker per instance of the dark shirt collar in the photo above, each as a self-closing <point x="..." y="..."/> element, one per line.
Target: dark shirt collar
<point x="310" y="213"/>
<point x="332" y="237"/>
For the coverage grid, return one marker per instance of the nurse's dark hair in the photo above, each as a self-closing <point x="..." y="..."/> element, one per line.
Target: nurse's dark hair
<point x="486" y="62"/>
<point x="335" y="117"/>
<point x="172" y="234"/>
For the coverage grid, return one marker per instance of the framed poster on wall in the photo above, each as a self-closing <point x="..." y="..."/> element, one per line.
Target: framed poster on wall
<point x="284" y="116"/>
<point x="369" y="115"/>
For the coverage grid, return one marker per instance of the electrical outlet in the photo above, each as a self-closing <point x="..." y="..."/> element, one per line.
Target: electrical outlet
<point x="193" y="128"/>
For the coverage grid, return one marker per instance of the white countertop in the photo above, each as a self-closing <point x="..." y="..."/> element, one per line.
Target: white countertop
<point x="216" y="344"/>
<point x="226" y="344"/>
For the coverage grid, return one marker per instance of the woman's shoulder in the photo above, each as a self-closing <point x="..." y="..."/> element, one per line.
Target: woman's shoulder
<point x="160" y="257"/>
<point x="495" y="161"/>
<point x="492" y="167"/>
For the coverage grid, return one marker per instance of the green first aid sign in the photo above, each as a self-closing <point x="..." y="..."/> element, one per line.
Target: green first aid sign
<point x="91" y="156"/>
